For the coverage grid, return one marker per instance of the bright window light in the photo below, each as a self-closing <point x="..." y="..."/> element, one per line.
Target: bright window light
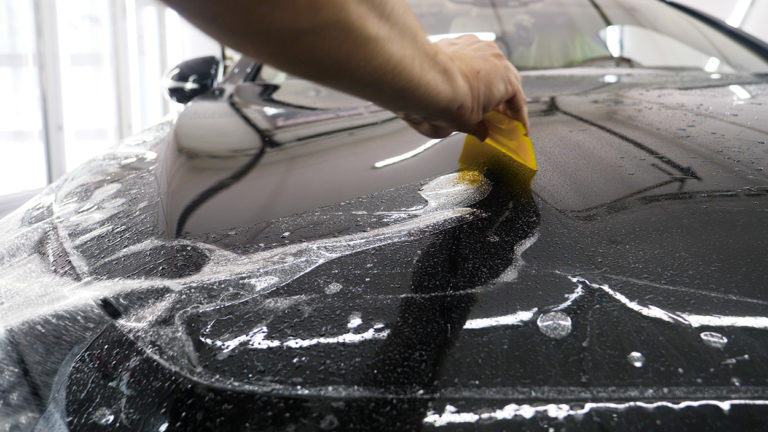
<point x="712" y="64"/>
<point x="740" y="91"/>
<point x="738" y="13"/>
<point x="22" y="165"/>
<point x="613" y="40"/>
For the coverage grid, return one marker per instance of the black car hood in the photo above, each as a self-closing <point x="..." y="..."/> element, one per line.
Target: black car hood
<point x="623" y="289"/>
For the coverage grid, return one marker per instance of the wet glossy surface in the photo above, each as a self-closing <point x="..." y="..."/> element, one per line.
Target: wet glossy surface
<point x="631" y="293"/>
<point x="638" y="281"/>
<point x="626" y="290"/>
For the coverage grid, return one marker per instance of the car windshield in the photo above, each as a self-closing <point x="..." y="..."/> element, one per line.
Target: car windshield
<point x="546" y="34"/>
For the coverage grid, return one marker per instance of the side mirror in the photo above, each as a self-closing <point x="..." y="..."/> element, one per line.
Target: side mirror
<point x="192" y="78"/>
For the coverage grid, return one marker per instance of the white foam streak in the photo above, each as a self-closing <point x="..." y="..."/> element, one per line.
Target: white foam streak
<point x="93" y="234"/>
<point x="257" y="339"/>
<point x="726" y="321"/>
<point x="511" y="273"/>
<point x="347" y="338"/>
<point x="516" y="318"/>
<point x="688" y="319"/>
<point x="570" y="298"/>
<point x="561" y="411"/>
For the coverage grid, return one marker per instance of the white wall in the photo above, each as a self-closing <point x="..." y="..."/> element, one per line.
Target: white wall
<point x="76" y="76"/>
<point x="21" y="116"/>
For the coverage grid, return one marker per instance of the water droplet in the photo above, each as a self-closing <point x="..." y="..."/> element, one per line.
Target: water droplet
<point x="354" y="320"/>
<point x="333" y="288"/>
<point x="556" y="325"/>
<point x="330" y="422"/>
<point x="732" y="361"/>
<point x="103" y="416"/>
<point x="636" y="359"/>
<point x="715" y="340"/>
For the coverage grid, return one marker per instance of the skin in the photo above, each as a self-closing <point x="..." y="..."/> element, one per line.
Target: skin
<point x="376" y="50"/>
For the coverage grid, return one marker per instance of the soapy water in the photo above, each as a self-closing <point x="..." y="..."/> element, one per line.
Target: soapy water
<point x="556" y="324"/>
<point x="333" y="288"/>
<point x="685" y="318"/>
<point x="561" y="411"/>
<point x="103" y="417"/>
<point x="257" y="339"/>
<point x="28" y="289"/>
<point x="31" y="288"/>
<point x="553" y="322"/>
<point x="42" y="275"/>
<point x="25" y="297"/>
<point x="446" y="198"/>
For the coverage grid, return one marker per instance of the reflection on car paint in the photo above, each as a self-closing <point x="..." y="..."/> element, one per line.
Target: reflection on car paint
<point x="407" y="155"/>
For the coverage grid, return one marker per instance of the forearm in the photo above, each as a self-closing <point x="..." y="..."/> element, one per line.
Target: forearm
<point x="375" y="49"/>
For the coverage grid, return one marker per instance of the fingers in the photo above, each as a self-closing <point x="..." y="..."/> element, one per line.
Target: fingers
<point x="480" y="131"/>
<point x="487" y="81"/>
<point x="431" y="130"/>
<point x="516" y="109"/>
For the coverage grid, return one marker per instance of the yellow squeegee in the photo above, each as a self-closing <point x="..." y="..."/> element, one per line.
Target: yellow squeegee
<point x="507" y="154"/>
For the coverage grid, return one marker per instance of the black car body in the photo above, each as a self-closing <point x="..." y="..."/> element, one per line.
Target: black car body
<point x="285" y="257"/>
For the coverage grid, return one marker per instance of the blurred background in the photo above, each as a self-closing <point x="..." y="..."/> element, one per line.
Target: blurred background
<point x="748" y="15"/>
<point x="76" y="76"/>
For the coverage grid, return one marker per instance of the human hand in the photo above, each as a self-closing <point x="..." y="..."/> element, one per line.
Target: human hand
<point x="484" y="80"/>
